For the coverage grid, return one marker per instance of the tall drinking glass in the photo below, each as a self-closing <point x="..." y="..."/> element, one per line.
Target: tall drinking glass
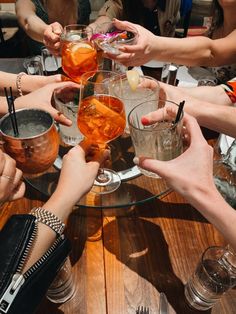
<point x="78" y="53"/>
<point x="101" y="119"/>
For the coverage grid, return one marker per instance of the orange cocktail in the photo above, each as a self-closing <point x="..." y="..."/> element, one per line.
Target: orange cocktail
<point x="77" y="52"/>
<point x="101" y="118"/>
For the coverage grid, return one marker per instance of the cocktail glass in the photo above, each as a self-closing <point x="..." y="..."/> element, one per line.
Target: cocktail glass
<point x="101" y="119"/>
<point x="109" y="39"/>
<point x="77" y="51"/>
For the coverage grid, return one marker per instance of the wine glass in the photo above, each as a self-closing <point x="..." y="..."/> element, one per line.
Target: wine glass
<point x="77" y="51"/>
<point x="101" y="119"/>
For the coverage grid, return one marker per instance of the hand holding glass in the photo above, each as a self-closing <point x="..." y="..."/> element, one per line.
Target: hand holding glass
<point x="161" y="140"/>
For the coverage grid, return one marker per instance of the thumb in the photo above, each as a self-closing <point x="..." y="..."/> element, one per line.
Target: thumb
<point x="153" y="165"/>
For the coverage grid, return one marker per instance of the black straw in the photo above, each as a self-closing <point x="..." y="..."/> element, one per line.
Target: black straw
<point x="14" y="112"/>
<point x="181" y="106"/>
<point x="11" y="110"/>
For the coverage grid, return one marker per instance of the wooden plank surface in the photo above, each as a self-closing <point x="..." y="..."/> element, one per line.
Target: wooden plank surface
<point x="141" y="252"/>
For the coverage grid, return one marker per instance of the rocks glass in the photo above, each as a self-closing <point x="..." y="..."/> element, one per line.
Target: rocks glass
<point x="161" y="140"/>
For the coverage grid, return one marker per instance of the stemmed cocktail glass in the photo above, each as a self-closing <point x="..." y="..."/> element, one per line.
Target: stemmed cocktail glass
<point x="101" y="119"/>
<point x="77" y="51"/>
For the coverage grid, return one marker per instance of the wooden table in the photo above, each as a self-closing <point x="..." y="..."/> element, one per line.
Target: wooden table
<point x="141" y="252"/>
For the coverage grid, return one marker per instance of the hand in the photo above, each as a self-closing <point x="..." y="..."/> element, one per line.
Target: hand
<point x="11" y="186"/>
<point x="42" y="99"/>
<point x="51" y="37"/>
<point x="77" y="176"/>
<point x="191" y="173"/>
<point x="139" y="53"/>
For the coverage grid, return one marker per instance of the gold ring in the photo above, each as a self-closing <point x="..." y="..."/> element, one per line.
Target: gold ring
<point x="7" y="177"/>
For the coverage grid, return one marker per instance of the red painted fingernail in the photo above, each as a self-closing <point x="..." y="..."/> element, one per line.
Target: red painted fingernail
<point x="145" y="121"/>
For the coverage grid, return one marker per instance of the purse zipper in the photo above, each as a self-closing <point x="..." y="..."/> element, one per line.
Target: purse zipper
<point x="18" y="278"/>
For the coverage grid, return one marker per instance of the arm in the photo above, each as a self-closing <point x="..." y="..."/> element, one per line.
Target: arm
<point x="28" y="83"/>
<point x="29" y="21"/>
<point x="40" y="98"/>
<point x="190" y="51"/>
<point x="220" y="117"/>
<point x="198" y="187"/>
<point x="111" y="9"/>
<point x="76" y="179"/>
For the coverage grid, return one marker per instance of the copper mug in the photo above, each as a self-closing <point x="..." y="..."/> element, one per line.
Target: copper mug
<point x="36" y="147"/>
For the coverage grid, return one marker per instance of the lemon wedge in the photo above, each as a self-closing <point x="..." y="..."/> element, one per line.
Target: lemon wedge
<point x="133" y="79"/>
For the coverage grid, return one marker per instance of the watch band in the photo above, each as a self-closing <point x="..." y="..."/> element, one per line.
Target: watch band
<point x="49" y="219"/>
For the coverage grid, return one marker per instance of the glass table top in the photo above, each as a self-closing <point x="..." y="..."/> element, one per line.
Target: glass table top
<point x="135" y="188"/>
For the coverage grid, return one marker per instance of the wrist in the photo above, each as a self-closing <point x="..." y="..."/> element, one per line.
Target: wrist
<point x="60" y="205"/>
<point x="30" y="83"/>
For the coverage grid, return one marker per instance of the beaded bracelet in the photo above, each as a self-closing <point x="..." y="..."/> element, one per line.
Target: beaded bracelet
<point x="18" y="82"/>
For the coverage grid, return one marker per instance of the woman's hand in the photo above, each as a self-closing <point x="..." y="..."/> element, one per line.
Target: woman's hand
<point x="11" y="184"/>
<point x="191" y="173"/>
<point x="42" y="99"/>
<point x="51" y="38"/>
<point x="76" y="178"/>
<point x="140" y="52"/>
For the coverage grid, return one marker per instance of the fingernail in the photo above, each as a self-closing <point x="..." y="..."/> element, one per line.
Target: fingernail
<point x="136" y="160"/>
<point x="145" y="121"/>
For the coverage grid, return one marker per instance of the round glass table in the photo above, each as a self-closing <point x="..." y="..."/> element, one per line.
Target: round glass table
<point x="135" y="188"/>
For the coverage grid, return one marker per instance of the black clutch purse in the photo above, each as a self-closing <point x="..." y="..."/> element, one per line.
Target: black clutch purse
<point x="21" y="293"/>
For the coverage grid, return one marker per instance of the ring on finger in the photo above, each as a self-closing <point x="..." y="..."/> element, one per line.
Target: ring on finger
<point x="7" y="177"/>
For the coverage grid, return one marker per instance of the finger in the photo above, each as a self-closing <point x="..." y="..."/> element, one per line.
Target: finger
<point x="9" y="167"/>
<point x="60" y="117"/>
<point x="17" y="178"/>
<point x="101" y="156"/>
<point x="18" y="192"/>
<point x="56" y="28"/>
<point x="193" y="129"/>
<point x="156" y="166"/>
<point x="153" y="117"/>
<point x="3" y="161"/>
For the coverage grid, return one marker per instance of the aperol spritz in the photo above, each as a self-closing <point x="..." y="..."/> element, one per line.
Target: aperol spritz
<point x="77" y="51"/>
<point x="101" y="119"/>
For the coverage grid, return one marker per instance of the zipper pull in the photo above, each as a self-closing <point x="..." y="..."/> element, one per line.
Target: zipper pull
<point x="11" y="292"/>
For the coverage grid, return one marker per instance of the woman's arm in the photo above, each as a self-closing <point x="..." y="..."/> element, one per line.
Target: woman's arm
<point x="190" y="51"/>
<point x="29" y="21"/>
<point x="76" y="179"/>
<point x="111" y="9"/>
<point x="28" y="83"/>
<point x="220" y="117"/>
